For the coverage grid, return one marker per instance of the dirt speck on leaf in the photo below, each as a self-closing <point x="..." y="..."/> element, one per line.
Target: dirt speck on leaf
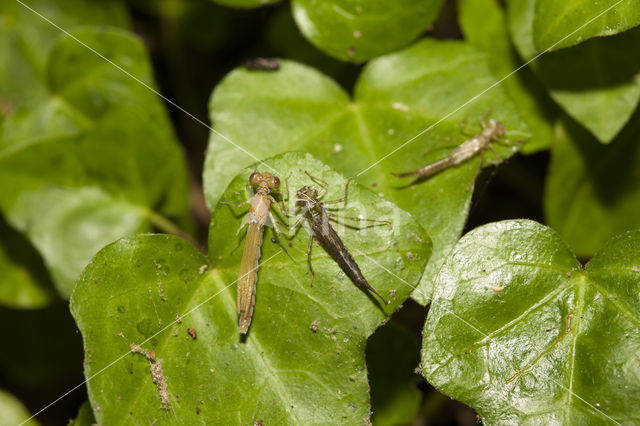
<point x="314" y="326"/>
<point x="192" y="332"/>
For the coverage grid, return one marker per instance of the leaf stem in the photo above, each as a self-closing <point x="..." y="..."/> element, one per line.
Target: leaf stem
<point x="167" y="226"/>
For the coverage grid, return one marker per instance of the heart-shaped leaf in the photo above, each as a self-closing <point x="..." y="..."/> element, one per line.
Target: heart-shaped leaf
<point x="595" y="82"/>
<point x="397" y="97"/>
<point x="521" y="333"/>
<point x="592" y="191"/>
<point x="97" y="154"/>
<point x="554" y="20"/>
<point x="483" y="23"/>
<point x="159" y="297"/>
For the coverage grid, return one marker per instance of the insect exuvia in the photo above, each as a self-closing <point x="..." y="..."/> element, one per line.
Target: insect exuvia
<point x="259" y="211"/>
<point x="308" y="199"/>
<point x="478" y="143"/>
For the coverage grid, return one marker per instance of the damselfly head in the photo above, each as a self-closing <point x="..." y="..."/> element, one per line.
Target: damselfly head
<point x="306" y="195"/>
<point x="265" y="179"/>
<point x="497" y="128"/>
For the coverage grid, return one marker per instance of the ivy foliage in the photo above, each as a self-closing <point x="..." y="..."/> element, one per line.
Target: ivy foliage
<point x="519" y="331"/>
<point x="378" y="132"/>
<point x="175" y="310"/>
<point x="93" y="148"/>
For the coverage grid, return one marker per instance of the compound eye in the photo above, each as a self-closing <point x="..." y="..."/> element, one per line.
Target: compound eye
<point x="275" y="182"/>
<point x="254" y="179"/>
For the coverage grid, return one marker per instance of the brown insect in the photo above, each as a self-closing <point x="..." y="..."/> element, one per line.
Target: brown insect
<point x="262" y="64"/>
<point x="259" y="212"/>
<point x="308" y="199"/>
<point x="478" y="143"/>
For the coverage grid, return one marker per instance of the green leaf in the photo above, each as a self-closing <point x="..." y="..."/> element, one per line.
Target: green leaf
<point x="303" y="340"/>
<point x="392" y="357"/>
<point x="97" y="155"/>
<point x="396" y="97"/>
<point x="12" y="412"/>
<point x="483" y="23"/>
<point x="78" y="223"/>
<point x="361" y="30"/>
<point x="592" y="191"/>
<point x="284" y="39"/>
<point x="26" y="40"/>
<point x="521" y="333"/>
<point x="595" y="82"/>
<point x="24" y="282"/>
<point x="85" y="416"/>
<point x="554" y="20"/>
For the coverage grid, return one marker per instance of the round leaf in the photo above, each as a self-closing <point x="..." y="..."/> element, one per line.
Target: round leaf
<point x="397" y="97"/>
<point x="521" y="333"/>
<point x="97" y="154"/>
<point x="360" y="30"/>
<point x="595" y="82"/>
<point x="303" y="340"/>
<point x="554" y="20"/>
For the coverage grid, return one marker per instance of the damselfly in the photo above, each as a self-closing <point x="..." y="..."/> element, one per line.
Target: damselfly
<point x="259" y="215"/>
<point x="314" y="211"/>
<point x="478" y="143"/>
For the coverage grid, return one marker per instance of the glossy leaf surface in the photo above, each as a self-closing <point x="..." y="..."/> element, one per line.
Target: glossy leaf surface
<point x="396" y="98"/>
<point x="521" y="333"/>
<point x="595" y="82"/>
<point x="303" y="358"/>
<point x="554" y="20"/>
<point x="362" y="29"/>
